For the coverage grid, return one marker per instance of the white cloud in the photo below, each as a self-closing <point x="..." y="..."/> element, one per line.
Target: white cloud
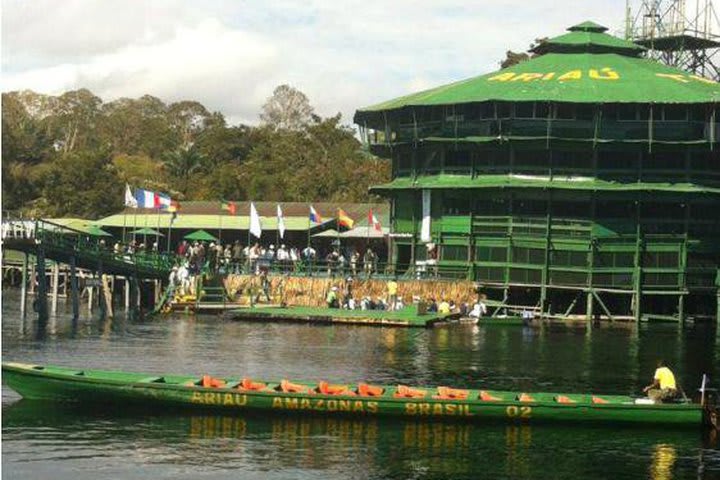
<point x="230" y="55"/>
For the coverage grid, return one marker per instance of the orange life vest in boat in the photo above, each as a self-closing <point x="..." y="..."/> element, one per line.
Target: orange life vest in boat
<point x="248" y="384"/>
<point x="599" y="400"/>
<point x="365" y="390"/>
<point x="403" y="391"/>
<point x="327" y="389"/>
<point x="447" y="393"/>
<point x="210" y="382"/>
<point x="288" y="387"/>
<point x="486" y="397"/>
<point x="524" y="397"/>
<point x="564" y="399"/>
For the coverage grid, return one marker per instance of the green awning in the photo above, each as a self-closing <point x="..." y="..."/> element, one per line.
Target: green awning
<point x="96" y="231"/>
<point x="200" y="235"/>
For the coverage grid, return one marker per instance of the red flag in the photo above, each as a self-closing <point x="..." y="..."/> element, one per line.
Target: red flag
<point x="374" y="222"/>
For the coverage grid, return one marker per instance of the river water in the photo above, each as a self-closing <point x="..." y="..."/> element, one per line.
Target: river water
<point x="51" y="441"/>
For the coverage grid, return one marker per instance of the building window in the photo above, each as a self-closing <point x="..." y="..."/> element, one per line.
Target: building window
<point x="458" y="161"/>
<point x="491" y="254"/>
<point x="454" y="253"/>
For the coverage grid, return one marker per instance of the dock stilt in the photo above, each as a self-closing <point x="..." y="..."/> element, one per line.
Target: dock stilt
<point x="74" y="288"/>
<point x="55" y="287"/>
<point x="23" y="286"/>
<point x="41" y="297"/>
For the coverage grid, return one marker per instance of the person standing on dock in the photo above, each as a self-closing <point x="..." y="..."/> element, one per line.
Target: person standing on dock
<point x="663" y="387"/>
<point x="392" y="288"/>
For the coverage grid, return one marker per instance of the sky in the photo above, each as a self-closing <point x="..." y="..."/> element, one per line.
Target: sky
<point x="231" y="54"/>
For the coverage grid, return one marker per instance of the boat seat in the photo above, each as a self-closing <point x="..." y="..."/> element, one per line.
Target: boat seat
<point x="210" y="382"/>
<point x="487" y="397"/>
<point x="249" y="385"/>
<point x="365" y="390"/>
<point x="599" y="400"/>
<point x="287" y="387"/>
<point x="564" y="399"/>
<point x="327" y="389"/>
<point x="524" y="397"/>
<point x="403" y="391"/>
<point x="447" y="393"/>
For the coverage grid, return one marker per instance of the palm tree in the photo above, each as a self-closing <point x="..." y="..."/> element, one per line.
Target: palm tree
<point x="181" y="165"/>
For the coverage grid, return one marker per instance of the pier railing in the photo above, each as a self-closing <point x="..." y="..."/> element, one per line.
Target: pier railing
<point x="62" y="242"/>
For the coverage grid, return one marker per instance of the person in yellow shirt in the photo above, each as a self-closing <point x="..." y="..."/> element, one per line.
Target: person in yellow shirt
<point x="444" y="307"/>
<point x="392" y="288"/>
<point x="663" y="387"/>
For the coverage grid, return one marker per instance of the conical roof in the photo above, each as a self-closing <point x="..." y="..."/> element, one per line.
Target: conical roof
<point x="583" y="66"/>
<point x="588" y="37"/>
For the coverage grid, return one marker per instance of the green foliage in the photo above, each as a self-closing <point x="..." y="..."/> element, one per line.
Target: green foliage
<point x="73" y="154"/>
<point x="82" y="184"/>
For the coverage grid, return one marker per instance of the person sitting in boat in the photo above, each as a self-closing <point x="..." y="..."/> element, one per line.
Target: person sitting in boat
<point x="444" y="307"/>
<point x="432" y="306"/>
<point x="663" y="387"/>
<point x="399" y="304"/>
<point x="381" y="304"/>
<point x="479" y="310"/>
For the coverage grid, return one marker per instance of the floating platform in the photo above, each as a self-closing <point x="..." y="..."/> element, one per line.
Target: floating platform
<point x="407" y="317"/>
<point x="238" y="394"/>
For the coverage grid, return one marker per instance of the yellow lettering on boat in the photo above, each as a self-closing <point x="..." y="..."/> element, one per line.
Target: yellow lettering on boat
<point x="305" y="404"/>
<point x="525" y="412"/>
<point x="571" y="75"/>
<point x="466" y="410"/>
<point x="197" y="397"/>
<point x="511" y="411"/>
<point x="209" y="398"/>
<point x="240" y="400"/>
<point x="502" y="77"/>
<point x="344" y="405"/>
<point x="410" y="409"/>
<point x="424" y="408"/>
<point x="277" y="402"/>
<point x="332" y="405"/>
<point x="228" y="399"/>
<point x="291" y="403"/>
<point x="548" y="76"/>
<point x="451" y="409"/>
<point x="527" y="77"/>
<point x="604" y="74"/>
<point x="358" y="406"/>
<point x="673" y="76"/>
<point x="319" y="404"/>
<point x="372" y="407"/>
<point x="438" y="409"/>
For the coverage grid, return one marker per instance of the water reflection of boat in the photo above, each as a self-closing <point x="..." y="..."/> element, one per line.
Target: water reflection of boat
<point x="323" y="443"/>
<point x="243" y="394"/>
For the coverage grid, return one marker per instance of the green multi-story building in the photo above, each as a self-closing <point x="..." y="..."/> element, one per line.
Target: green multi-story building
<point x="585" y="180"/>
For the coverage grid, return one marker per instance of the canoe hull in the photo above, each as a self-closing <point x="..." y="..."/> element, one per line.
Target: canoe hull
<point x="97" y="387"/>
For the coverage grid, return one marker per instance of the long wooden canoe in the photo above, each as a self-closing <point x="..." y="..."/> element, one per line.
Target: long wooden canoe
<point x="53" y="383"/>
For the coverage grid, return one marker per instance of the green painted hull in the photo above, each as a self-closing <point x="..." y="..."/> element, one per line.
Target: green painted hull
<point x="171" y="391"/>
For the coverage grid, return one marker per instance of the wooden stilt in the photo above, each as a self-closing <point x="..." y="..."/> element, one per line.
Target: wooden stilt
<point x="74" y="289"/>
<point x="41" y="298"/>
<point x="55" y="287"/>
<point x="23" y="286"/>
<point x="127" y="294"/>
<point x="107" y="295"/>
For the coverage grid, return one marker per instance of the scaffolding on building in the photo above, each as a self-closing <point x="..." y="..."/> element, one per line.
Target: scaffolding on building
<point x="679" y="33"/>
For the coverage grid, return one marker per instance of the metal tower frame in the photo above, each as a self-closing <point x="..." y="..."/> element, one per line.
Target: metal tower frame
<point x="680" y="33"/>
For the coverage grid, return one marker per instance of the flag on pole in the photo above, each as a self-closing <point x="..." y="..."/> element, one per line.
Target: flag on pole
<point x="344" y="220"/>
<point x="145" y="198"/>
<point x="373" y="221"/>
<point x="280" y="222"/>
<point x="163" y="201"/>
<point x="130" y="200"/>
<point x="314" y="216"/>
<point x="229" y="206"/>
<point x="255" y="226"/>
